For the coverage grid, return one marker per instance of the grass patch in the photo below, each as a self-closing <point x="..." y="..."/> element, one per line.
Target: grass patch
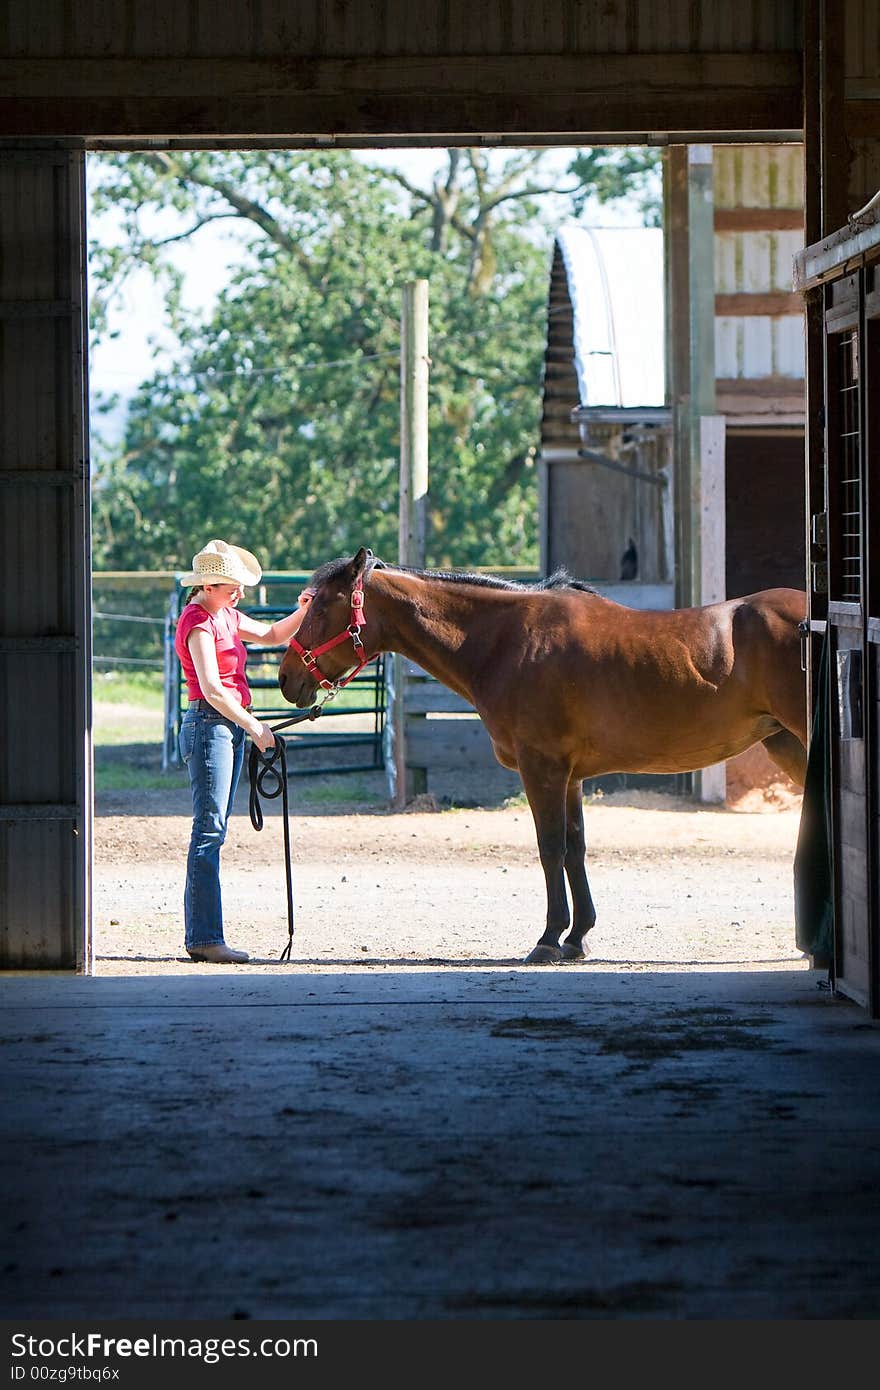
<point x="123" y="777"/>
<point x="144" y="727"/>
<point x="129" y="708"/>
<point x="128" y="688"/>
<point x="335" y="793"/>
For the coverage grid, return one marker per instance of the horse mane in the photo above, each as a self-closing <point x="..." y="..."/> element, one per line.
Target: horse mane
<point x="559" y="579"/>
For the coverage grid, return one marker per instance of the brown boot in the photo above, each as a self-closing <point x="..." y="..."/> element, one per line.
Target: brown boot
<point x="219" y="954"/>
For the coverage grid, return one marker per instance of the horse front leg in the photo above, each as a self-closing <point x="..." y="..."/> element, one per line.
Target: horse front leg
<point x="545" y="786"/>
<point x="583" y="911"/>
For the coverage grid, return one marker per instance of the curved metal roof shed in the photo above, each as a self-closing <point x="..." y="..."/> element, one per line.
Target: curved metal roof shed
<point x="605" y="509"/>
<point x="615" y="283"/>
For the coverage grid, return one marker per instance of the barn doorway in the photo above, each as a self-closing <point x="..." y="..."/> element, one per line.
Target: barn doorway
<point x="166" y="910"/>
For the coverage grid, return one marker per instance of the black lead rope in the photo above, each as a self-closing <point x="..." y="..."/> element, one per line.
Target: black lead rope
<point x="267" y="774"/>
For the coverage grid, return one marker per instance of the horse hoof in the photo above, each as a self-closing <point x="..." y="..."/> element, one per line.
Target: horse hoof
<point x="573" y="953"/>
<point x="544" y="955"/>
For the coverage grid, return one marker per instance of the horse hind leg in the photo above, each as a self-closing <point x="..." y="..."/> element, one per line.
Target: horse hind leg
<point x="787" y="751"/>
<point x="584" y="913"/>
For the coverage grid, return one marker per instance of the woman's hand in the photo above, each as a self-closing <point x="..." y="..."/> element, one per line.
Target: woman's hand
<point x="305" y="598"/>
<point x="265" y="740"/>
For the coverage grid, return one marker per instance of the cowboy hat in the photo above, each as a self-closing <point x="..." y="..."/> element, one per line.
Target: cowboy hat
<point x="221" y="563"/>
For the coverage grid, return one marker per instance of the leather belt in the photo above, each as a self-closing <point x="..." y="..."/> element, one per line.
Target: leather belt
<point x="205" y="706"/>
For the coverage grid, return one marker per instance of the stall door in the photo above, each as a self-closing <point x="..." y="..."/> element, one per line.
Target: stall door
<point x="852" y="676"/>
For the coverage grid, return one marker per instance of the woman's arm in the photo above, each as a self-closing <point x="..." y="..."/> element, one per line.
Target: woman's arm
<point x="280" y="631"/>
<point x="225" y="701"/>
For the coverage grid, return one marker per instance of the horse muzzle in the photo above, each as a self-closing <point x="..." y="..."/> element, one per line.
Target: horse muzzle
<point x="295" y="683"/>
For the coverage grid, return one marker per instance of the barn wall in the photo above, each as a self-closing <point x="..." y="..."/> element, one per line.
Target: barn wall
<point x="398" y="67"/>
<point x="310" y="28"/>
<point x="45" y="641"/>
<point x="759" y="334"/>
<point x="861" y="107"/>
<point x="760" y="361"/>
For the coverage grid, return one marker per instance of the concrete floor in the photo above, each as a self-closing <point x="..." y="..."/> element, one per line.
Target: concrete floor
<point x="415" y="1144"/>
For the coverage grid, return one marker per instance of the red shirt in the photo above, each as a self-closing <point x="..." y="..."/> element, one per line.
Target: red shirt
<point x="231" y="654"/>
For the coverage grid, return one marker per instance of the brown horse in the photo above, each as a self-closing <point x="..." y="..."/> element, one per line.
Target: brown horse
<point x="569" y="685"/>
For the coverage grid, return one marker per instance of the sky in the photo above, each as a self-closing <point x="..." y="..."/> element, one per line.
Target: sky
<point x="119" y="365"/>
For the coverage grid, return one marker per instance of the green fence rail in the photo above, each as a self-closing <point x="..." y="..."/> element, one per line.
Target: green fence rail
<point x="313" y="747"/>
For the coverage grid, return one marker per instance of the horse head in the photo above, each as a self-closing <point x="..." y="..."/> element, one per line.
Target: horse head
<point x="329" y="641"/>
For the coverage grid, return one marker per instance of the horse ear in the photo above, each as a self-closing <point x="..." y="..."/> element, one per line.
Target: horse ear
<point x="360" y="560"/>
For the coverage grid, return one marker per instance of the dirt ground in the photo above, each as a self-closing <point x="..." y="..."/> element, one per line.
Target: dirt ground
<point x="676" y="884"/>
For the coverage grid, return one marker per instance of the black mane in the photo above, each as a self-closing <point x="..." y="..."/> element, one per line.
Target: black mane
<point x="559" y="579"/>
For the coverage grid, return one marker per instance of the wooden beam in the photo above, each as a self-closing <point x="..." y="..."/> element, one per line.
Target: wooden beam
<point x="738" y="408"/>
<point x="771" y="387"/>
<point x="711" y="782"/>
<point x="409" y="94"/>
<point x="676" y="244"/>
<point x="759" y="219"/>
<point x="772" y="304"/>
<point x="836" y="154"/>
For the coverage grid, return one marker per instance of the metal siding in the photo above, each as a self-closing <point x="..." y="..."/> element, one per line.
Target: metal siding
<point x="96" y="30"/>
<point x="35" y="29"/>
<point x="862" y="38"/>
<point x="35" y="559"/>
<point x="664" y="28"/>
<point x="758" y="176"/>
<point x="752" y="262"/>
<point x="605" y="28"/>
<point x="45" y="781"/>
<point x="153" y="29"/>
<point x="861" y="32"/>
<point x="191" y="28"/>
<point x="36" y="689"/>
<point x="35" y="860"/>
<point x="864" y="171"/>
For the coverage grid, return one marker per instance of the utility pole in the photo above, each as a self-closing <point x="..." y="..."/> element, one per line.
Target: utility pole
<point x="413" y="514"/>
<point x="413" y="424"/>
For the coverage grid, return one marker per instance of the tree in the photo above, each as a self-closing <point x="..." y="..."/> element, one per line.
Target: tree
<point x="279" y="425"/>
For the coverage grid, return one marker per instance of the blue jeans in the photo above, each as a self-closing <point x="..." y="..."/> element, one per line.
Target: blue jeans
<point x="213" y="749"/>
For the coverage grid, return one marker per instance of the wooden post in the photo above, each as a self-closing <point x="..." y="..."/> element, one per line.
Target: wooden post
<point x="707" y="536"/>
<point x="678" y="355"/>
<point x="712" y="784"/>
<point x="413" y="511"/>
<point x="413" y="424"/>
<point x="698" y="434"/>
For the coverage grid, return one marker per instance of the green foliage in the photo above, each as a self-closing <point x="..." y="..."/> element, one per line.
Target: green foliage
<point x="611" y="173"/>
<point x="279" y="425"/>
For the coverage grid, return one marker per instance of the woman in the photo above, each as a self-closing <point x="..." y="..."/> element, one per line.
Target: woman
<point x="209" y="644"/>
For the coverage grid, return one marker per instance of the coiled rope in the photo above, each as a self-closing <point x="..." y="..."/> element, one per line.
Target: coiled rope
<point x="267" y="775"/>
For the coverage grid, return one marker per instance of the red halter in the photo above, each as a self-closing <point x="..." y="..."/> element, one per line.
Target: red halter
<point x="309" y="656"/>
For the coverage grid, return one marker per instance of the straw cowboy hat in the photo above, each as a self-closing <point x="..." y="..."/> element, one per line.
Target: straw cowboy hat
<point x="222" y="563"/>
